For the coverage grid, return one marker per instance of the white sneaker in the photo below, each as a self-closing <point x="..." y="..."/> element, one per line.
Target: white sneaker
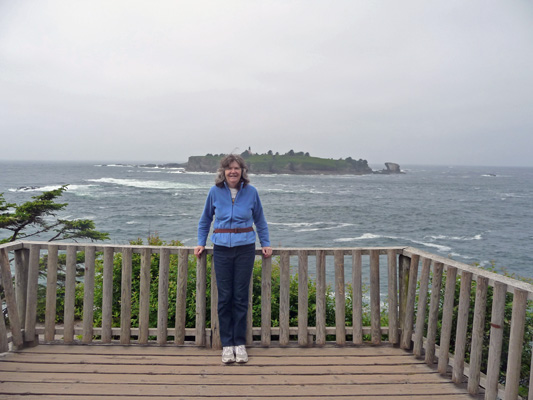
<point x="227" y="355"/>
<point x="240" y="353"/>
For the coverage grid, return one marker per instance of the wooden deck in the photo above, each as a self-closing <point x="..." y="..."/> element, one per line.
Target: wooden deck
<point x="191" y="373"/>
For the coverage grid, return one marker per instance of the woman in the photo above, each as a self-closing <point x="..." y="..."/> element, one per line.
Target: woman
<point x="235" y="204"/>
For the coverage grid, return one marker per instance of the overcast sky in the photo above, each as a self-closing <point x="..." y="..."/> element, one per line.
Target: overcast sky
<point x="414" y="82"/>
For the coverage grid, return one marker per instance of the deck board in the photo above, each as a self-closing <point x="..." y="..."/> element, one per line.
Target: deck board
<point x="190" y="373"/>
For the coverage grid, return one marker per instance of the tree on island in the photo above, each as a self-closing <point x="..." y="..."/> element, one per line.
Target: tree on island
<point x="39" y="216"/>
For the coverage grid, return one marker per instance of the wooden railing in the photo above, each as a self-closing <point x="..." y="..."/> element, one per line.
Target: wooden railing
<point x="411" y="286"/>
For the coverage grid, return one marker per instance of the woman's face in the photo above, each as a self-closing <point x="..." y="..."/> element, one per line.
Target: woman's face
<point x="233" y="174"/>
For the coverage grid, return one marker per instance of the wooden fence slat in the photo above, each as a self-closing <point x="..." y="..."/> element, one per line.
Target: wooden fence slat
<point x="320" y="298"/>
<point x="51" y="294"/>
<point x="462" y="326"/>
<point x="407" y="330"/>
<point x="403" y="287"/>
<point x="31" y="302"/>
<point x="478" y="330"/>
<point x="418" y="342"/>
<point x="70" y="294"/>
<point x="375" y="300"/>
<point x="496" y="340"/>
<point x="4" y="341"/>
<point x="181" y="296"/>
<point x="284" y="298"/>
<point x="303" y="302"/>
<point x="201" y="306"/>
<point x="266" y="299"/>
<point x="447" y="319"/>
<point x="144" y="295"/>
<point x="340" y="298"/>
<point x="11" y="304"/>
<point x="162" y="296"/>
<point x="125" y="296"/>
<point x="107" y="295"/>
<point x="22" y="260"/>
<point x="357" y="306"/>
<point x="516" y="343"/>
<point x="88" y="294"/>
<point x="436" y="284"/>
<point x="393" y="296"/>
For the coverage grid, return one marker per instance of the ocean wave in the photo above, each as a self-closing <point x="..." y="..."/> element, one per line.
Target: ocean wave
<point x="460" y="238"/>
<point x="366" y="236"/>
<point x="311" y="226"/>
<point x="47" y="188"/>
<point x="144" y="184"/>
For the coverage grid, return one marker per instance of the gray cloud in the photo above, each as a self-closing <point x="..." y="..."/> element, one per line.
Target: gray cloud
<point x="444" y="82"/>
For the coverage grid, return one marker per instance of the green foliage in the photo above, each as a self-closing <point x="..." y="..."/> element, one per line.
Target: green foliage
<point x="39" y="216"/>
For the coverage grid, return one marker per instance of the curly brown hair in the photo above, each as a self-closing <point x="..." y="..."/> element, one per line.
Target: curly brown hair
<point x="224" y="164"/>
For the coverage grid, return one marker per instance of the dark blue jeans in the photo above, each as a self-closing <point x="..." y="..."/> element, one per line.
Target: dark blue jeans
<point x="233" y="268"/>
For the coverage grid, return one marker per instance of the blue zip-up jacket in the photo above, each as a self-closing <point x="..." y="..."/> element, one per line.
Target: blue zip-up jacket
<point x="245" y="211"/>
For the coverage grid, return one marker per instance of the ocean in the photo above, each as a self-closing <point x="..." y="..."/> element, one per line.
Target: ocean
<point x="479" y="215"/>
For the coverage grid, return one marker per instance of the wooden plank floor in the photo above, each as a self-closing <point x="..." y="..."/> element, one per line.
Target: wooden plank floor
<point x="119" y="372"/>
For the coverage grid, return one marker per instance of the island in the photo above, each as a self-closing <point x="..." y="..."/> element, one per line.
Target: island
<point x="289" y="163"/>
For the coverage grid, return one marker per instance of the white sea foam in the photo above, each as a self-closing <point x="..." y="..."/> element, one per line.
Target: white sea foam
<point x="47" y="188"/>
<point x="440" y="248"/>
<point x="143" y="184"/>
<point x="311" y="226"/>
<point x="461" y="238"/>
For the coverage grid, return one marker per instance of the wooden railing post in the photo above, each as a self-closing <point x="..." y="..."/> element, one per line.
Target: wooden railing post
<point x="284" y="298"/>
<point x="181" y="296"/>
<point x="162" y="296"/>
<point x="410" y="303"/>
<point x="403" y="282"/>
<point x="478" y="327"/>
<point x="516" y="339"/>
<point x="496" y="340"/>
<point x="375" y="298"/>
<point x="11" y="304"/>
<point x="22" y="261"/>
<point x="51" y="294"/>
<point x="447" y="319"/>
<point x="88" y="295"/>
<point x="303" y="306"/>
<point x="107" y="295"/>
<point x="340" y="298"/>
<point x="357" y="304"/>
<point x="125" y="296"/>
<point x="144" y="295"/>
<point x="201" y="273"/>
<point x="418" y="343"/>
<point x="462" y="325"/>
<point x="320" y="297"/>
<point x="30" y="334"/>
<point x="70" y="288"/>
<point x="266" y="299"/>
<point x="393" y="296"/>
<point x="436" y="285"/>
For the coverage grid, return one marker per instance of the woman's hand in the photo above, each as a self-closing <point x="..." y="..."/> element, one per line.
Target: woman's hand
<point x="198" y="250"/>
<point x="267" y="251"/>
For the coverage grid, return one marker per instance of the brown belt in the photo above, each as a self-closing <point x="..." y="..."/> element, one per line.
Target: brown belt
<point x="235" y="230"/>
